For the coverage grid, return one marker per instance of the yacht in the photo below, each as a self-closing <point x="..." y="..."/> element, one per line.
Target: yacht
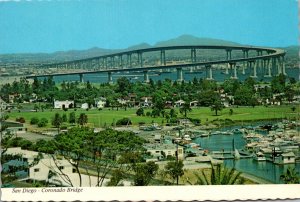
<point x="259" y="156"/>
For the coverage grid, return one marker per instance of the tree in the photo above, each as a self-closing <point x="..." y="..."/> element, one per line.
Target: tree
<point x="217" y="106"/>
<point x="144" y="173"/>
<point x="72" y="118"/>
<point x="291" y="176"/>
<point x="140" y="112"/>
<point x="64" y="118"/>
<point x="36" y="107"/>
<point x="123" y="122"/>
<point x="73" y="147"/>
<point x="185" y="108"/>
<point x="123" y="85"/>
<point x="83" y="119"/>
<point x="173" y="113"/>
<point x="155" y="112"/>
<point x="43" y="122"/>
<point x="174" y="169"/>
<point x="34" y="120"/>
<point x="57" y="121"/>
<point x="219" y="175"/>
<point x="293" y="108"/>
<point x="243" y="95"/>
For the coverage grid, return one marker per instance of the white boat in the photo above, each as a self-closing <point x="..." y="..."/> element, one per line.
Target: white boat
<point x="259" y="156"/>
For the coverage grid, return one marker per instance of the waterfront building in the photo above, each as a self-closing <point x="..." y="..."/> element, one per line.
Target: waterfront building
<point x="285" y="158"/>
<point x="160" y="151"/>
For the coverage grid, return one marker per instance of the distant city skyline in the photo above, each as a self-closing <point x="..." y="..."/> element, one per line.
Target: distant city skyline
<point x="39" y="26"/>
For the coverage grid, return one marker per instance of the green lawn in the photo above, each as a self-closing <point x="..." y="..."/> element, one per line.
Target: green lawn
<point x="98" y="118"/>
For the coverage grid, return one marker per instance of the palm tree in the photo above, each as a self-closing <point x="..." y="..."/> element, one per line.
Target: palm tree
<point x="291" y="176"/>
<point x="219" y="175"/>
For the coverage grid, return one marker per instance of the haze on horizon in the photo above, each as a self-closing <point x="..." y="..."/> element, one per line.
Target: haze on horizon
<point x="61" y="25"/>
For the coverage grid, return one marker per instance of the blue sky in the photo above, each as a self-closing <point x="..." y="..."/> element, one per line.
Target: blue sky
<point x="48" y="26"/>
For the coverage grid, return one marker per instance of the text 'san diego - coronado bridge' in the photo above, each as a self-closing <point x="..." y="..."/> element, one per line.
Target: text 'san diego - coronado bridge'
<point x="250" y="57"/>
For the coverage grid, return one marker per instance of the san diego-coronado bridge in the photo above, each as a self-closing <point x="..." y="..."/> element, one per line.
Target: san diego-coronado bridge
<point x="233" y="58"/>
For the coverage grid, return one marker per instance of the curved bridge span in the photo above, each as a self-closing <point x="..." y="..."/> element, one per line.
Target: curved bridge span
<point x="232" y="59"/>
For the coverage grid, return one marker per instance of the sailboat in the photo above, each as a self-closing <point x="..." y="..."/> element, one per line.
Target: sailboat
<point x="236" y="152"/>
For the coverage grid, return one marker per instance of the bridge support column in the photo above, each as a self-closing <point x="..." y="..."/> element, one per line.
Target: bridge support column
<point x="140" y="59"/>
<point x="283" y="66"/>
<point x="252" y="63"/>
<point x="146" y="76"/>
<point x="81" y="78"/>
<point x="113" y="62"/>
<point x="228" y="57"/>
<point x="269" y="74"/>
<point x="192" y="69"/>
<point x="278" y="64"/>
<point x="209" y="75"/>
<point x="234" y="71"/>
<point x="179" y="74"/>
<point x="255" y="69"/>
<point x="193" y="55"/>
<point x="163" y="57"/>
<point x="130" y="62"/>
<point x="109" y="78"/>
<point x="105" y="63"/>
<point x="245" y="55"/>
<point x="121" y="61"/>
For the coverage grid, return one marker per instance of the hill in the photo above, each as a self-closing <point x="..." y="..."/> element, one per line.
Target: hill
<point x="60" y="56"/>
<point x="192" y="40"/>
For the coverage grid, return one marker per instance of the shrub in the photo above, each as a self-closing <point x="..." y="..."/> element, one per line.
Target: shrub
<point x="20" y="119"/>
<point x="148" y="113"/>
<point x="34" y="120"/>
<point x="123" y="122"/>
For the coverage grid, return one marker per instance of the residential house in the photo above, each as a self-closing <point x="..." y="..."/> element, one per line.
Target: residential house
<point x="123" y="101"/>
<point x="146" y="102"/>
<point x="14" y="128"/>
<point x="3" y="104"/>
<point x="100" y="102"/>
<point x="179" y="103"/>
<point x="66" y="104"/>
<point x="168" y="104"/>
<point x="193" y="103"/>
<point x="84" y="106"/>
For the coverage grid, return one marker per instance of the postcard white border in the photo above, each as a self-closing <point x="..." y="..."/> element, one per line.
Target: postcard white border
<point x="162" y="193"/>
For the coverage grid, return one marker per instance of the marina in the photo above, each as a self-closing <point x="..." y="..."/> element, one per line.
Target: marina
<point x="262" y="153"/>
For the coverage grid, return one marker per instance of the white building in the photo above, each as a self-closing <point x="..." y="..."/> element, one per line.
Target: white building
<point x="100" y="102"/>
<point x="3" y="105"/>
<point x="179" y="103"/>
<point x="157" y="150"/>
<point x="65" y="173"/>
<point x="63" y="104"/>
<point x="285" y="158"/>
<point x="84" y="106"/>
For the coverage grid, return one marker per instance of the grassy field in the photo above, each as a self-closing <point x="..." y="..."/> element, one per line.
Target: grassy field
<point x="103" y="117"/>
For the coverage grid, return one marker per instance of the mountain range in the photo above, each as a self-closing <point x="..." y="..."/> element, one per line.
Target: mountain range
<point x="60" y="56"/>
